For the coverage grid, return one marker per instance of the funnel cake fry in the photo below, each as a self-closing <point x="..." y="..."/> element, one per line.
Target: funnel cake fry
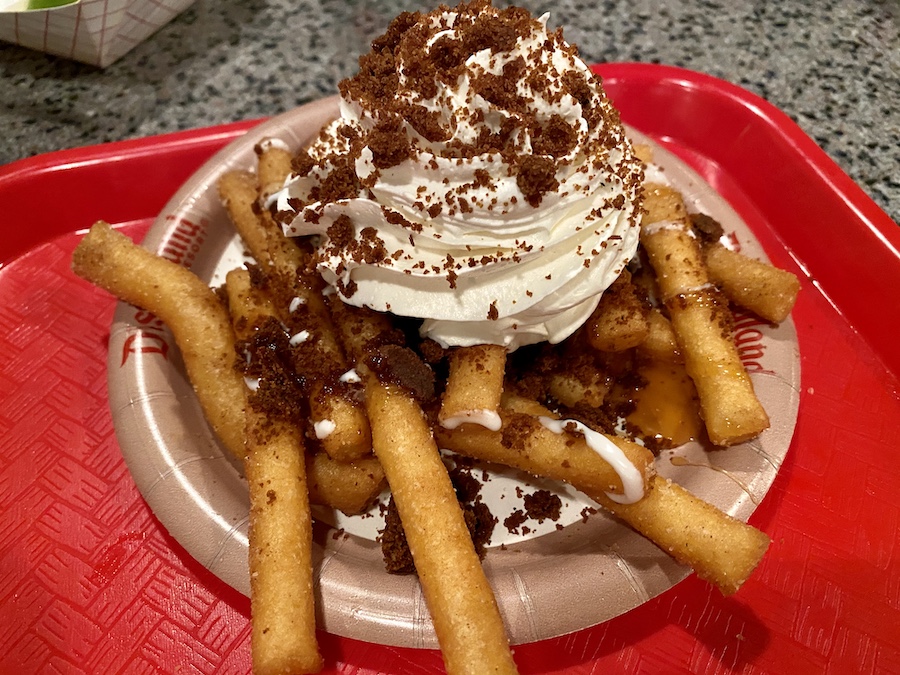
<point x="203" y="332"/>
<point x="350" y="438"/>
<point x="620" y="320"/>
<point x="765" y="290"/>
<point x="273" y="166"/>
<point x="526" y="444"/>
<point x="283" y="635"/>
<point x="661" y="343"/>
<point x="574" y="389"/>
<point x="238" y="192"/>
<point x="462" y="606"/>
<point x="198" y="321"/>
<point x="359" y="328"/>
<point x="350" y="487"/>
<point x="280" y="260"/>
<point x="719" y="548"/>
<point x="283" y="625"/>
<point x="474" y="387"/>
<point x="702" y="322"/>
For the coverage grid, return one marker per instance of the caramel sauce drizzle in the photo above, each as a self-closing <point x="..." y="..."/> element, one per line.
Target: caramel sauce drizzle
<point x="667" y="408"/>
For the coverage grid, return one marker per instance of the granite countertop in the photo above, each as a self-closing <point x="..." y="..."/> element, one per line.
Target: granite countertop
<point x="833" y="66"/>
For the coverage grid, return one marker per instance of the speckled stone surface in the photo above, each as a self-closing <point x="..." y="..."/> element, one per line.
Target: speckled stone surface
<point x="832" y="65"/>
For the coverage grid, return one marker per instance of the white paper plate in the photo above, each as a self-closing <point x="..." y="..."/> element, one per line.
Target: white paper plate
<point x="548" y="585"/>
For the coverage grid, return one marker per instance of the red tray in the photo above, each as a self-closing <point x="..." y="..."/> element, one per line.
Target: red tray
<point x="91" y="583"/>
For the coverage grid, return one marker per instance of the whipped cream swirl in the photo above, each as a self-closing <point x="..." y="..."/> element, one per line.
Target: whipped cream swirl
<point x="477" y="178"/>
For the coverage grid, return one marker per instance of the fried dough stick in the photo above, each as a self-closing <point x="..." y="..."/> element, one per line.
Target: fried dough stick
<point x="203" y="332"/>
<point x="462" y="605"/>
<point x="620" y="320"/>
<point x="661" y="343"/>
<point x="200" y="324"/>
<point x="722" y="550"/>
<point x="571" y="376"/>
<point x="283" y="625"/>
<point x="474" y="386"/>
<point x="273" y="166"/>
<point x="349" y="487"/>
<point x="238" y="191"/>
<point x="731" y="411"/>
<point x="463" y="609"/>
<point x="281" y="259"/>
<point x="765" y="290"/>
<point x="574" y="389"/>
<point x="540" y="451"/>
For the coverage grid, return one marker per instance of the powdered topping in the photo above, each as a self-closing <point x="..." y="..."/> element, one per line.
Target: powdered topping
<point x="477" y="178"/>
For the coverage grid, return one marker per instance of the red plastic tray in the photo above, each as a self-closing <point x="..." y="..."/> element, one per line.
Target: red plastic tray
<point x="91" y="583"/>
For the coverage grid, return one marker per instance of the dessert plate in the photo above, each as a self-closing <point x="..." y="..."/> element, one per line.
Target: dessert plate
<point x="587" y="572"/>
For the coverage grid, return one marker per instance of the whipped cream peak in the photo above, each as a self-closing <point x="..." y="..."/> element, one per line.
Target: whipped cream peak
<point x="477" y="178"/>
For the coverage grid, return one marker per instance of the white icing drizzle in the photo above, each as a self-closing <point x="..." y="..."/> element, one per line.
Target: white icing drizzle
<point x="632" y="480"/>
<point x="299" y="338"/>
<point x="653" y="228"/>
<point x="295" y="304"/>
<point x="323" y="428"/>
<point x="489" y="419"/>
<point x="268" y="143"/>
<point x="351" y="376"/>
<point x="252" y="383"/>
<point x="697" y="289"/>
